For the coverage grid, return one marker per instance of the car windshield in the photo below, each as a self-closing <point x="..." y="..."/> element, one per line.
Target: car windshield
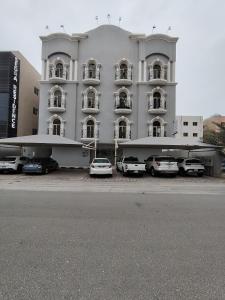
<point x="165" y="158"/>
<point x="11" y="159"/>
<point x="131" y="159"/>
<point x="101" y="161"/>
<point x="193" y="161"/>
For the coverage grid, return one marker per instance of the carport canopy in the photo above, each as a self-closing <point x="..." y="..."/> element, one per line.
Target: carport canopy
<point x="40" y="140"/>
<point x="167" y="143"/>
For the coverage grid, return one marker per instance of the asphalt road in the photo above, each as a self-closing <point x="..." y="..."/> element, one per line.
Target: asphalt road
<point x="111" y="246"/>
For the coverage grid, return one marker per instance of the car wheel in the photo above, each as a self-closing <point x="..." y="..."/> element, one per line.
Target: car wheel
<point x="200" y="174"/>
<point x="153" y="173"/>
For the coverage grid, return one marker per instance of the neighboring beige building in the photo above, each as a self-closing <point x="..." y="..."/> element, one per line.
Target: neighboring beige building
<point x="189" y="126"/>
<point x="210" y="123"/>
<point x="28" y="97"/>
<point x="19" y="95"/>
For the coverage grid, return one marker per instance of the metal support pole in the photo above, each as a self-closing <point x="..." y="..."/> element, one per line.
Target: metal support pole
<point x="115" y="152"/>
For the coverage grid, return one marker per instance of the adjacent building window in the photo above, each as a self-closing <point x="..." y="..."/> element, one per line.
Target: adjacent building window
<point x="36" y="91"/>
<point x="185" y="123"/>
<point x="195" y="123"/>
<point x="185" y="134"/>
<point x="34" y="131"/>
<point x="35" y="111"/>
<point x="195" y="134"/>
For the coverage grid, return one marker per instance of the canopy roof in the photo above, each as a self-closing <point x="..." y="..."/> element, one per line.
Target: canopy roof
<point x="40" y="140"/>
<point x="166" y="143"/>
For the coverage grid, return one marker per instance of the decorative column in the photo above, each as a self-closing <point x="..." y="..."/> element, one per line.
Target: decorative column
<point x="47" y="70"/>
<point x="162" y="130"/>
<point x="71" y="69"/>
<point x="139" y="71"/>
<point x="85" y="72"/>
<point x="145" y="66"/>
<point x="168" y="72"/>
<point x="129" y="72"/>
<point x="75" y="71"/>
<point x="98" y="72"/>
<point x="43" y="69"/>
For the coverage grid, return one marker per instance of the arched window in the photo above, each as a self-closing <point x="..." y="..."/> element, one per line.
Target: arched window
<point x="91" y="99"/>
<point x="122" y="129"/>
<point x="90" y="129"/>
<point x="123" y="100"/>
<point x="56" y="127"/>
<point x="156" y="71"/>
<point x="156" y="129"/>
<point x="123" y="71"/>
<point x="156" y="100"/>
<point x="59" y="70"/>
<point x="57" y="98"/>
<point x="91" y="70"/>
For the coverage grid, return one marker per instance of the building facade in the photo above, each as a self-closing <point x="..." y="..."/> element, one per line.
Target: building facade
<point x="19" y="95"/>
<point x="189" y="126"/>
<point x="107" y="85"/>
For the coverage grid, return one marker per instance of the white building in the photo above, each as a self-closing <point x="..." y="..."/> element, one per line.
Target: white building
<point x="189" y="126"/>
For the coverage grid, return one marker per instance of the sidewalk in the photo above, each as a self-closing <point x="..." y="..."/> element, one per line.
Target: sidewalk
<point x="79" y="180"/>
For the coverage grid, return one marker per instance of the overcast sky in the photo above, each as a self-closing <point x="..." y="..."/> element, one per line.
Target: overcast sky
<point x="199" y="24"/>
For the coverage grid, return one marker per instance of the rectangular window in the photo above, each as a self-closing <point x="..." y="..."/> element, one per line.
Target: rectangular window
<point x="185" y="123"/>
<point x="195" y="123"/>
<point x="35" y="111"/>
<point x="34" y="131"/>
<point x="36" y="91"/>
<point x="195" y="134"/>
<point x="185" y="134"/>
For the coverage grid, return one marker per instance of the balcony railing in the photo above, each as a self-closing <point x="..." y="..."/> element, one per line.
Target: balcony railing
<point x="60" y="77"/>
<point x="91" y="76"/>
<point x="123" y="108"/>
<point x="91" y="107"/>
<point x="158" y="76"/>
<point x="56" y="105"/>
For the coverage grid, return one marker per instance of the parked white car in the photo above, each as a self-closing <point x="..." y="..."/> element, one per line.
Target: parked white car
<point x="161" y="165"/>
<point x="130" y="165"/>
<point x="100" y="166"/>
<point x="12" y="163"/>
<point x="191" y="166"/>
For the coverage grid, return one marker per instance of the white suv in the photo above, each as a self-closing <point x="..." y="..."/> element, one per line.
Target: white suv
<point x="161" y="165"/>
<point x="192" y="166"/>
<point x="12" y="163"/>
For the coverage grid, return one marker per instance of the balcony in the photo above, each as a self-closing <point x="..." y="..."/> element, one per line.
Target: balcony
<point x="158" y="77"/>
<point x="92" y="108"/>
<point x="157" y="111"/>
<point x="58" y="78"/>
<point x="91" y="77"/>
<point x="123" y="76"/>
<point x="56" y="106"/>
<point x="123" y="109"/>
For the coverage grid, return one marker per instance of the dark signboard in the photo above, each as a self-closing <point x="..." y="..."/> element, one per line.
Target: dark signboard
<point x="13" y="97"/>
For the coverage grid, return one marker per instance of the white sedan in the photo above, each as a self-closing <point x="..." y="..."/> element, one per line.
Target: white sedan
<point x="100" y="166"/>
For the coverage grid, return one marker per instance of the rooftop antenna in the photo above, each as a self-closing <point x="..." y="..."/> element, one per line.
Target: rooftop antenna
<point x="108" y="17"/>
<point x="96" y="18"/>
<point x="62" y="27"/>
<point x="120" y="19"/>
<point x="169" y="29"/>
<point x="153" y="28"/>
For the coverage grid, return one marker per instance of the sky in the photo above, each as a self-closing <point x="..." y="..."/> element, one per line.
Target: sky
<point x="199" y="25"/>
